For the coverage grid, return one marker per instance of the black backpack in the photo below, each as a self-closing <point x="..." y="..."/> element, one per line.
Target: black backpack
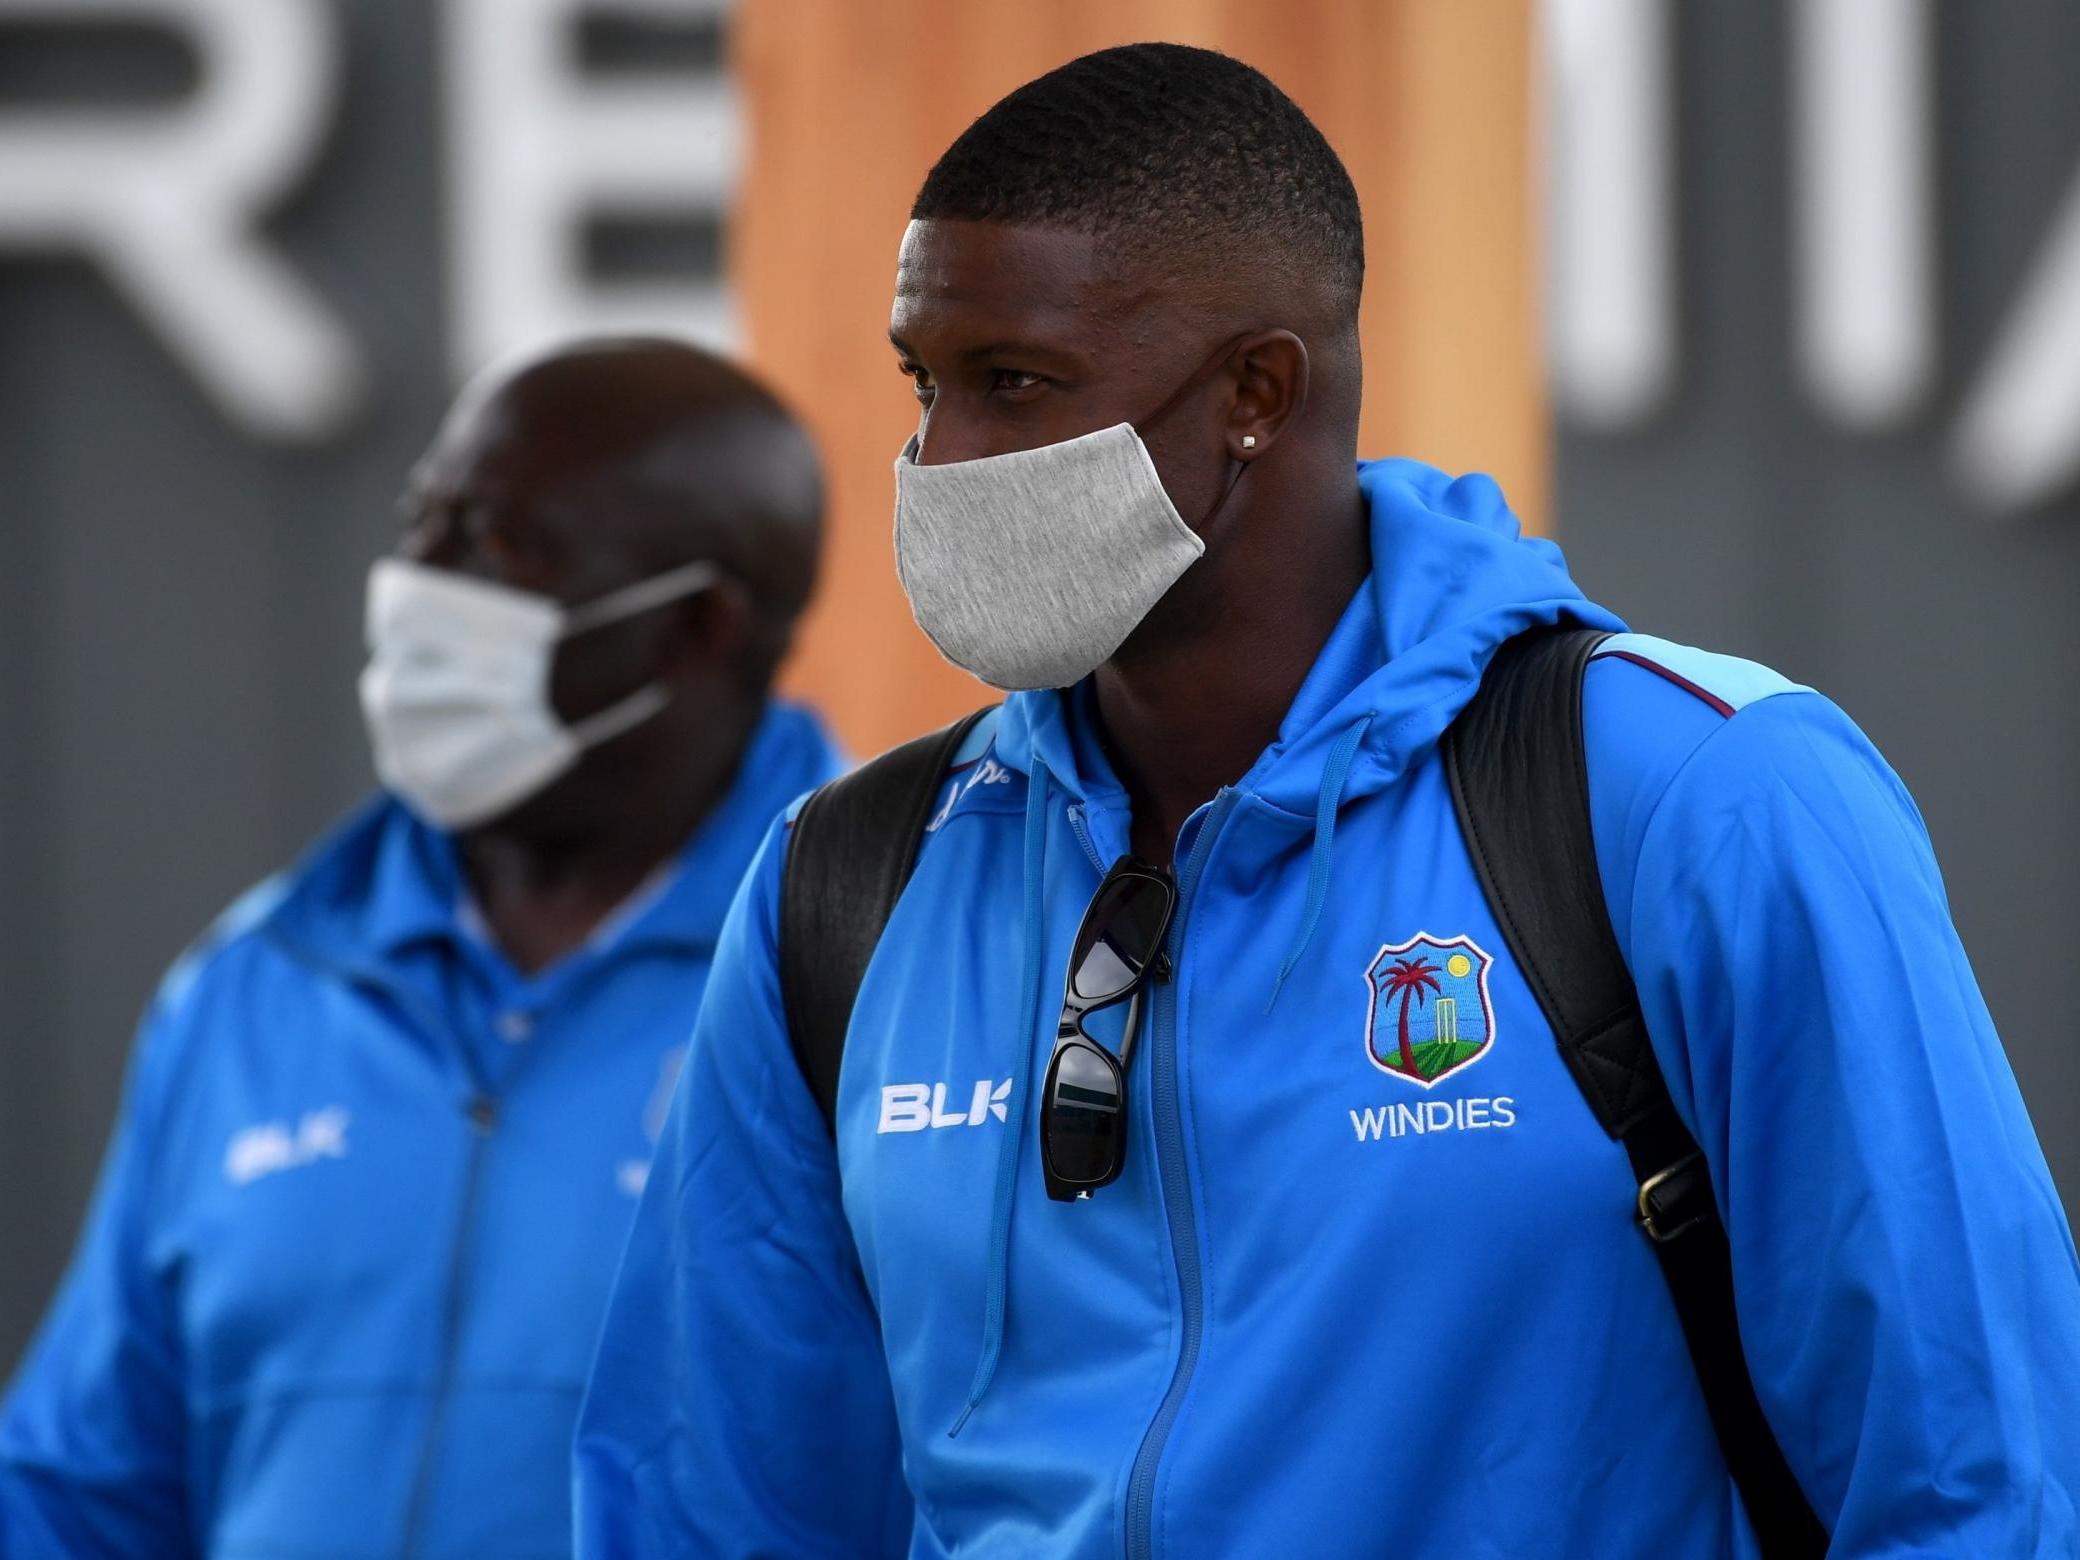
<point x="1519" y="784"/>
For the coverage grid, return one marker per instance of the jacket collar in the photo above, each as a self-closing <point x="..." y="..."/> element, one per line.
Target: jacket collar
<point x="1453" y="577"/>
<point x="385" y="880"/>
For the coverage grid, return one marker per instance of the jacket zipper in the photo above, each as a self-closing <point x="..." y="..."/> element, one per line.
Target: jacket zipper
<point x="1177" y="1196"/>
<point x="1080" y="826"/>
<point x="481" y="1111"/>
<point x="482" y="1114"/>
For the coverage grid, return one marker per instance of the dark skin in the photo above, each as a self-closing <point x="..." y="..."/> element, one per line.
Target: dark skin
<point x="1022" y="336"/>
<point x="585" y="472"/>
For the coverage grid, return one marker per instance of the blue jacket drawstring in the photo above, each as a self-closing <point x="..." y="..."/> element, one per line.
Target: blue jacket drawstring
<point x="996" y="1296"/>
<point x="1328" y="798"/>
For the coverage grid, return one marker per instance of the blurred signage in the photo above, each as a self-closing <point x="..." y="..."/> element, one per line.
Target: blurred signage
<point x="1818" y="321"/>
<point x="1867" y="313"/>
<point x="544" y="149"/>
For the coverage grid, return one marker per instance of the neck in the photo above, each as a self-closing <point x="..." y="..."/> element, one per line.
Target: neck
<point x="1190" y="712"/>
<point x="544" y="884"/>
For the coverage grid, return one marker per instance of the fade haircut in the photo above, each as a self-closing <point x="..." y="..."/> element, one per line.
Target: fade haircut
<point x="1171" y="151"/>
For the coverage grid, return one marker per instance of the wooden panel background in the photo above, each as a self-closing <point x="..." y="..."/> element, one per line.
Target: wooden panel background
<point x="849" y="102"/>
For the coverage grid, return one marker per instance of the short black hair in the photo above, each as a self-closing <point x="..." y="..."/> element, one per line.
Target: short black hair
<point x="1168" y="148"/>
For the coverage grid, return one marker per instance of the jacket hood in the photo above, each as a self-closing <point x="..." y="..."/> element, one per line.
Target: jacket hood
<point x="1453" y="577"/>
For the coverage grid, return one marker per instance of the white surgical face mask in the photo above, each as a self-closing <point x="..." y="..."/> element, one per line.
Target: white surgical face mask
<point x="456" y="691"/>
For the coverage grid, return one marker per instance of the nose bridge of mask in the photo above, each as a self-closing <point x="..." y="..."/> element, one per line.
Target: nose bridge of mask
<point x="419" y="600"/>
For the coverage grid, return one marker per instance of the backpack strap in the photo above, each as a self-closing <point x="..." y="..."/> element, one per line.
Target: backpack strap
<point x="1520" y="785"/>
<point x="851" y="850"/>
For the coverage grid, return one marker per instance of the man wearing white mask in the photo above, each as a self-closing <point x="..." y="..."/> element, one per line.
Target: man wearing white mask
<point x="386" y="1125"/>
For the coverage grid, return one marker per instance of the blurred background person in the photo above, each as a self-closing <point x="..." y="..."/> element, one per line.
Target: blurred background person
<point x="1801" y="275"/>
<point x="386" y="1124"/>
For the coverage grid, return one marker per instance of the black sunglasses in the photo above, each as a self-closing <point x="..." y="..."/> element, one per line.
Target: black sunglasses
<point x="1119" y="947"/>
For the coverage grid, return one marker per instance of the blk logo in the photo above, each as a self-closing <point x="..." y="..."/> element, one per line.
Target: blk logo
<point x="275" y="1146"/>
<point x="912" y="1107"/>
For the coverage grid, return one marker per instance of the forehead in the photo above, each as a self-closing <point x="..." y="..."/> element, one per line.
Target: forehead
<point x="544" y="482"/>
<point x="476" y="439"/>
<point x="959" y="283"/>
<point x="507" y="442"/>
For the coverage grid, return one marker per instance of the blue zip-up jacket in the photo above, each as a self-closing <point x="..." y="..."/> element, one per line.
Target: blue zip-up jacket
<point x="344" y="1273"/>
<point x="1370" y="1283"/>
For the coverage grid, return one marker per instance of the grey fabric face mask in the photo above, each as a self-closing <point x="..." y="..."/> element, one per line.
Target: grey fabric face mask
<point x="1030" y="569"/>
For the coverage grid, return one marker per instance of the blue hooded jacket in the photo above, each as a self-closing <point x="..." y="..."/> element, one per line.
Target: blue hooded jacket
<point x="344" y="1273"/>
<point x="1369" y="1284"/>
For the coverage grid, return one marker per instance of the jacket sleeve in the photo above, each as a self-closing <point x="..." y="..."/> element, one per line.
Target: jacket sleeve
<point x="1908" y="1293"/>
<point x="93" y="1436"/>
<point x="739" y="1403"/>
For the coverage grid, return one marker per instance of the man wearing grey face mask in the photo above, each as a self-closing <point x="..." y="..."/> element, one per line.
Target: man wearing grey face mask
<point x="386" y="1126"/>
<point x="1214" y="1162"/>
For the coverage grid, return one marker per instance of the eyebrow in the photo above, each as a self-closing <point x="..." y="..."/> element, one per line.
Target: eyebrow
<point x="990" y="349"/>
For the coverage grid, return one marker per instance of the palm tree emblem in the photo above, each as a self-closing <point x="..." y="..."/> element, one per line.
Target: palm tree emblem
<point x="1410" y="978"/>
<point x="1446" y="978"/>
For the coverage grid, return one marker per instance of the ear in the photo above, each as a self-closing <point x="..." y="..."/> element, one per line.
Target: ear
<point x="1271" y="372"/>
<point x="707" y="631"/>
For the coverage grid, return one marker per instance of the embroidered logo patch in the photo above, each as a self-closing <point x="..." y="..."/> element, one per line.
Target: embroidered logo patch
<point x="1430" y="1014"/>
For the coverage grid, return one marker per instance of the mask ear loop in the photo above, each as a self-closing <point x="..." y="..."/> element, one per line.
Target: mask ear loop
<point x="1227" y="492"/>
<point x="622" y="715"/>
<point x="1198" y="377"/>
<point x="1193" y="381"/>
<point x="632" y="600"/>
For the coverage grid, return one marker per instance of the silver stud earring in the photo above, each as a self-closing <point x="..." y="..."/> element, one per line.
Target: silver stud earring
<point x="1249" y="441"/>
